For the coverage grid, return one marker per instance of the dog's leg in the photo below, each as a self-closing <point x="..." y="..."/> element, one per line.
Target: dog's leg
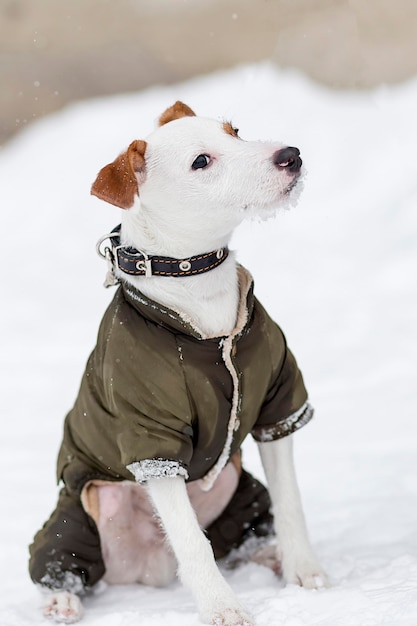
<point x="63" y="607"/>
<point x="298" y="562"/>
<point x="217" y="604"/>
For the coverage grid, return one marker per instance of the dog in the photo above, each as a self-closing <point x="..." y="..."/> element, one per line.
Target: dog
<point x="187" y="363"/>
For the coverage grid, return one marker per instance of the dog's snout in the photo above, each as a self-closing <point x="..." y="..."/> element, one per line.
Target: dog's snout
<point x="289" y="159"/>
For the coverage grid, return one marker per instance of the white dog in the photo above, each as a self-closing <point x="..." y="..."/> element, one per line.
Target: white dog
<point x="184" y="190"/>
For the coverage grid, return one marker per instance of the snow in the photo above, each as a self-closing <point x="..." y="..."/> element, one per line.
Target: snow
<point x="338" y="272"/>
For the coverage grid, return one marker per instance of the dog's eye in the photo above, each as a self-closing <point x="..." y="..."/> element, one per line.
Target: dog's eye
<point x="201" y="161"/>
<point x="236" y="131"/>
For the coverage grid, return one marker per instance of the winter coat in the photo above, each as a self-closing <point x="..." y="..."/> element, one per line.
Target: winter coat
<point x="157" y="398"/>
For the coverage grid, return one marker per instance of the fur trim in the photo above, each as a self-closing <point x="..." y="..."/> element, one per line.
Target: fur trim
<point x="156" y="468"/>
<point x="284" y="427"/>
<point x="228" y="343"/>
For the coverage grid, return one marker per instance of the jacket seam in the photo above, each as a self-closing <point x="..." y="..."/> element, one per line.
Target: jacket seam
<point x="191" y="408"/>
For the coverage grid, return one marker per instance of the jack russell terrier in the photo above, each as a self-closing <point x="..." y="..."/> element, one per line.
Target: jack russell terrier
<point x="187" y="364"/>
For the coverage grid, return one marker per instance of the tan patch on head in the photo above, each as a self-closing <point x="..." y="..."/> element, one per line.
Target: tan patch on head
<point x="116" y="183"/>
<point x="177" y="110"/>
<point x="230" y="130"/>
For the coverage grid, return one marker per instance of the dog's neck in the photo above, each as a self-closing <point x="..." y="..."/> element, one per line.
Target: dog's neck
<point x="209" y="302"/>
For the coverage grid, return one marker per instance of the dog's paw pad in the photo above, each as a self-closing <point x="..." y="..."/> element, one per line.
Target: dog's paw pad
<point x="232" y="617"/>
<point x="63" y="607"/>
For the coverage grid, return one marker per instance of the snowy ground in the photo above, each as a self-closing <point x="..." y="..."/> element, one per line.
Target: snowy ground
<point x="344" y="274"/>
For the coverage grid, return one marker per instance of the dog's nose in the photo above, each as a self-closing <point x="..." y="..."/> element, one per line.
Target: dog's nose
<point x="289" y="159"/>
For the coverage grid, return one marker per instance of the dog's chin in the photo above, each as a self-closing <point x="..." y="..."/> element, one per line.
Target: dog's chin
<point x="287" y="199"/>
<point x="291" y="186"/>
<point x="293" y="191"/>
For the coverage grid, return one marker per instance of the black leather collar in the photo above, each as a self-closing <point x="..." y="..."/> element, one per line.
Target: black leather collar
<point x="138" y="263"/>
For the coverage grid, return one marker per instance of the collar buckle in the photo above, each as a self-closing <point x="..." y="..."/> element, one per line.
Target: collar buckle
<point x="144" y="265"/>
<point x="110" y="254"/>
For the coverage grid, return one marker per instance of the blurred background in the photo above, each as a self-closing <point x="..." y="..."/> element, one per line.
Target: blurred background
<point x="53" y="52"/>
<point x="338" y="78"/>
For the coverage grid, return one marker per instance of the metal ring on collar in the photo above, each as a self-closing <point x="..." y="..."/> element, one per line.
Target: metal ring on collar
<point x="101" y="253"/>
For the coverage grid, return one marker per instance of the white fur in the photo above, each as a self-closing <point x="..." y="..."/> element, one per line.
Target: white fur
<point x="213" y="595"/>
<point x="298" y="562"/>
<point x="183" y="212"/>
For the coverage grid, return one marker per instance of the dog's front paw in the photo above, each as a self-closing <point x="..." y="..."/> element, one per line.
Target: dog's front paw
<point x="63" y="607"/>
<point x="231" y="617"/>
<point x="305" y="572"/>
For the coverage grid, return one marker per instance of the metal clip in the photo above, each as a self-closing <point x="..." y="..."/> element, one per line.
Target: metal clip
<point x="107" y="254"/>
<point x="145" y="264"/>
<point x="99" y="251"/>
<point x="110" y="279"/>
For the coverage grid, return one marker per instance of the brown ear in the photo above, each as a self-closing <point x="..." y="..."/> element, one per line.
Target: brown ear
<point x="179" y="109"/>
<point x="116" y="183"/>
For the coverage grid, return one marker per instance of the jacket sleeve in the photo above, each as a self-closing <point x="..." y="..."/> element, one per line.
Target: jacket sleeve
<point x="155" y="446"/>
<point x="285" y="408"/>
<point x="152" y="418"/>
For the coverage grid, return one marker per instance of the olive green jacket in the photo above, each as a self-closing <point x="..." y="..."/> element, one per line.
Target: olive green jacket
<point x="157" y="398"/>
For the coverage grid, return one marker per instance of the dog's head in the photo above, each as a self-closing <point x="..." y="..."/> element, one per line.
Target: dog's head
<point x="202" y="166"/>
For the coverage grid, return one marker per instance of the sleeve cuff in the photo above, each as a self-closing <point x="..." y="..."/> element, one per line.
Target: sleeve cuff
<point x="156" y="468"/>
<point x="284" y="427"/>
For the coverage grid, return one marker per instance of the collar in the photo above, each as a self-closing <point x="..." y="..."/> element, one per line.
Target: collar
<point x="138" y="263"/>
